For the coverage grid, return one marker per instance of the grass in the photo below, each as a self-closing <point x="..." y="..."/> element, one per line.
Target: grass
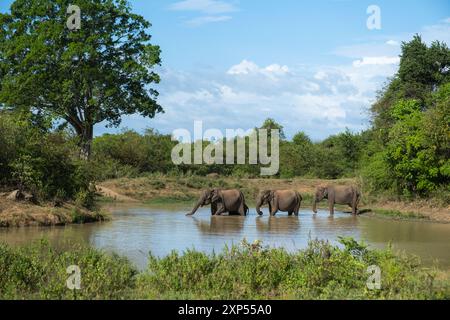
<point x="248" y="271"/>
<point x="395" y="214"/>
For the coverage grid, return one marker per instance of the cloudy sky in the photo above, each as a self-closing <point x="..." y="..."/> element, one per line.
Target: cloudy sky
<point x="311" y="65"/>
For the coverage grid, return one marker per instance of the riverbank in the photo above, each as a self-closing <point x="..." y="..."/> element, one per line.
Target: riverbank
<point x="24" y="214"/>
<point x="245" y="271"/>
<point x="162" y="190"/>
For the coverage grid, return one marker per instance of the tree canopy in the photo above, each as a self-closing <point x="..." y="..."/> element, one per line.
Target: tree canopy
<point x="86" y="76"/>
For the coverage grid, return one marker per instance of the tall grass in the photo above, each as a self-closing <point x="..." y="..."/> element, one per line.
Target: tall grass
<point x="248" y="271"/>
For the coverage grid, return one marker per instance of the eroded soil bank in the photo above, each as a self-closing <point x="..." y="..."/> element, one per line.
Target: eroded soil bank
<point x="23" y="214"/>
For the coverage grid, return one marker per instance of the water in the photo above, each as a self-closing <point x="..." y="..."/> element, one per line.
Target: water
<point x="136" y="230"/>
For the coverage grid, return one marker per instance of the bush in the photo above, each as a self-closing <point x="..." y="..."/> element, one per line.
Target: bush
<point x="321" y="271"/>
<point x="248" y="271"/>
<point x="38" y="271"/>
<point x="39" y="160"/>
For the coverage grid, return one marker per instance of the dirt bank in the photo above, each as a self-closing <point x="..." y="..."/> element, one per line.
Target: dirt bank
<point x="21" y="213"/>
<point x="162" y="189"/>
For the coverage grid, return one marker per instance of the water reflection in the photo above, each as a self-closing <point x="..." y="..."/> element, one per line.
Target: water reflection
<point x="220" y="225"/>
<point x="280" y="225"/>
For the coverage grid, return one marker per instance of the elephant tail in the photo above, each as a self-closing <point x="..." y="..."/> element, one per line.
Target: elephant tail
<point x="246" y="209"/>
<point x="299" y="197"/>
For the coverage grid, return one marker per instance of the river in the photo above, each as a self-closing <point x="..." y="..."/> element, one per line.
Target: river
<point x="136" y="230"/>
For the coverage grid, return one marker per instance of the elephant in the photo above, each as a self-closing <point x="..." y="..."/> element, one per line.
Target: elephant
<point x="337" y="195"/>
<point x="231" y="201"/>
<point x="279" y="200"/>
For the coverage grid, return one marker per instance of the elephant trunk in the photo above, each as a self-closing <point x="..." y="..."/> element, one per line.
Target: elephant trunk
<point x="315" y="205"/>
<point x="199" y="203"/>
<point x="258" y="207"/>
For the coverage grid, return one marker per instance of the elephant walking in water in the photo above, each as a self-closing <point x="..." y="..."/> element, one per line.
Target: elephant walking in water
<point x="337" y="195"/>
<point x="279" y="200"/>
<point x="231" y="201"/>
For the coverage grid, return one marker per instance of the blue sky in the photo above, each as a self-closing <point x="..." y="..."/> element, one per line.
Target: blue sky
<point x="310" y="65"/>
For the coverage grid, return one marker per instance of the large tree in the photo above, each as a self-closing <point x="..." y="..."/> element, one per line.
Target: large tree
<point x="97" y="73"/>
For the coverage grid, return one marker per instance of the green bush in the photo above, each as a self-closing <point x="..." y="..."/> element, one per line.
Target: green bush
<point x="248" y="271"/>
<point x="321" y="271"/>
<point x="40" y="160"/>
<point x="38" y="271"/>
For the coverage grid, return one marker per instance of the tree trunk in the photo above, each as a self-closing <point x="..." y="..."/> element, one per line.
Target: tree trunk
<point x="85" y="143"/>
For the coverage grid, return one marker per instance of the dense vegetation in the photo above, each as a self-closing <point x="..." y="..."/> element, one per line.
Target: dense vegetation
<point x="42" y="161"/>
<point x="248" y="271"/>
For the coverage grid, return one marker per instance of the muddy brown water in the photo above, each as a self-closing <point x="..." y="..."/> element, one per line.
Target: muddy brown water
<point x="136" y="230"/>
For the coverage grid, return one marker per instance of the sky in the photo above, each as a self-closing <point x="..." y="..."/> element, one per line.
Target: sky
<point x="313" y="66"/>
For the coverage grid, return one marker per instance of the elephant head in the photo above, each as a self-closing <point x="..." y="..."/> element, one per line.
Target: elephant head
<point x="205" y="199"/>
<point x="321" y="193"/>
<point x="264" y="197"/>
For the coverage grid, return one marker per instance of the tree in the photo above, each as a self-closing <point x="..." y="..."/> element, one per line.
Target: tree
<point x="271" y="124"/>
<point x="421" y="72"/>
<point x="84" y="77"/>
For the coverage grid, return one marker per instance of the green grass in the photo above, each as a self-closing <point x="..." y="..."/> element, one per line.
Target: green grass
<point x="399" y="215"/>
<point x="248" y="271"/>
<point x="171" y="200"/>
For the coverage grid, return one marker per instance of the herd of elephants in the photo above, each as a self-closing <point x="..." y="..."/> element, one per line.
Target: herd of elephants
<point x="232" y="201"/>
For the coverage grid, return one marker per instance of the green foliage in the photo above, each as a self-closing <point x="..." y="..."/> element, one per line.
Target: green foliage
<point x="95" y="74"/>
<point x="416" y="156"/>
<point x="40" y="161"/>
<point x="248" y="271"/>
<point x="129" y="153"/>
<point x="321" y="271"/>
<point x="38" y="271"/>
<point x="412" y="121"/>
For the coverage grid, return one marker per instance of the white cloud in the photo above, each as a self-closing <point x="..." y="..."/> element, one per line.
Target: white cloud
<point x="376" y="61"/>
<point x="320" y="101"/>
<point x="392" y="43"/>
<point x="195" y="22"/>
<point x="203" y="6"/>
<point x="320" y="75"/>
<point x="246" y="67"/>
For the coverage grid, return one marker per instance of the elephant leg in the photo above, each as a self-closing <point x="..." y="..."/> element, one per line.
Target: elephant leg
<point x="331" y="206"/>
<point x="355" y="201"/>
<point x="353" y="208"/>
<point x="221" y="209"/>
<point x="213" y="208"/>
<point x="274" y="206"/>
<point x="242" y="209"/>
<point x="290" y="213"/>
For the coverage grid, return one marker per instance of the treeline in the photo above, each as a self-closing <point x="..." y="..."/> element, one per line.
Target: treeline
<point x="131" y="154"/>
<point x="406" y="152"/>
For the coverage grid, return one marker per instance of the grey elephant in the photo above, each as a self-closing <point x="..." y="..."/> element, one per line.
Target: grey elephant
<point x="231" y="201"/>
<point x="279" y="200"/>
<point x="337" y="195"/>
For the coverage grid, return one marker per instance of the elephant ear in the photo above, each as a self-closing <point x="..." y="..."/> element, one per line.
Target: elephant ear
<point x="325" y="191"/>
<point x="266" y="195"/>
<point x="215" y="195"/>
<point x="271" y="195"/>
